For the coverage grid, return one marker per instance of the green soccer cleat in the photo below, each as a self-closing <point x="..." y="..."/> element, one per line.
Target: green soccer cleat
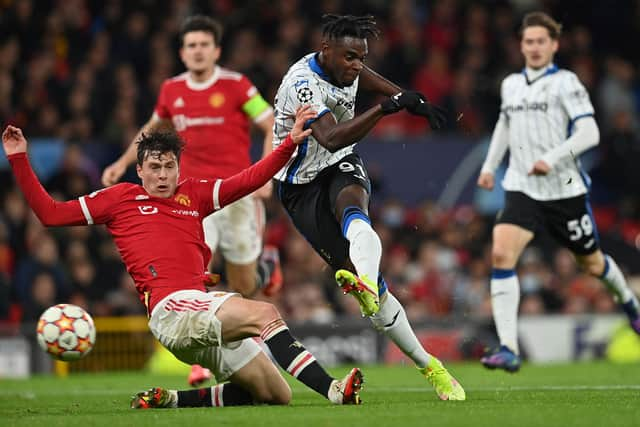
<point x="447" y="388"/>
<point x="156" y="397"/>
<point x="365" y="291"/>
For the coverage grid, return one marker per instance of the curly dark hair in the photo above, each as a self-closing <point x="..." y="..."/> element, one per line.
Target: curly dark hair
<point x="338" y="26"/>
<point x="202" y="23"/>
<point x="158" y="143"/>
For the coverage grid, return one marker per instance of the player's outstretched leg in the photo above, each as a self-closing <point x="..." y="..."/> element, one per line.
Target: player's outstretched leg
<point x="227" y="394"/>
<point x="392" y="320"/>
<point x="294" y="358"/>
<point x="502" y="358"/>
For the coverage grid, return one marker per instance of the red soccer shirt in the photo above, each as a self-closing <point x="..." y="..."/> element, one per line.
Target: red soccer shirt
<point x="160" y="239"/>
<point x="212" y="117"/>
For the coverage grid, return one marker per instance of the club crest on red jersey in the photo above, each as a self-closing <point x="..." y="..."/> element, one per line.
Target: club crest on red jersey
<point x="183" y="199"/>
<point x="216" y="100"/>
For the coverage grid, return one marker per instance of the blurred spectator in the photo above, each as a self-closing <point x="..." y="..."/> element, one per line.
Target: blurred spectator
<point x="43" y="258"/>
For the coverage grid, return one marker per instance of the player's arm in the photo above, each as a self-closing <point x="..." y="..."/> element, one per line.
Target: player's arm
<point x="114" y="171"/>
<point x="49" y="211"/>
<point x="261" y="113"/>
<point x="370" y="80"/>
<point x="239" y="185"/>
<point x="497" y="149"/>
<point x="575" y="100"/>
<point x="586" y="135"/>
<point x="333" y="135"/>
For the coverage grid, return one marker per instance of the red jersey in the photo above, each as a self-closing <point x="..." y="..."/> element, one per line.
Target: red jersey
<point x="160" y="239"/>
<point x="213" y="118"/>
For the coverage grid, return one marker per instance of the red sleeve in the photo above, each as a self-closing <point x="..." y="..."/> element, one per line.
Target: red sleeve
<point x="48" y="211"/>
<point x="247" y="90"/>
<point x="226" y="191"/>
<point x="162" y="107"/>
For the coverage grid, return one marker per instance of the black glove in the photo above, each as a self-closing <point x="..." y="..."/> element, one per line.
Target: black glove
<point x="401" y="100"/>
<point x="437" y="116"/>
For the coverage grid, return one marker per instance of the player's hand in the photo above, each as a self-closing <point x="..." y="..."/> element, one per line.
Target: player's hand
<point x="486" y="181"/>
<point x="540" y="168"/>
<point x="113" y="173"/>
<point x="13" y="141"/>
<point x="401" y="100"/>
<point x="298" y="132"/>
<point x="265" y="191"/>
<point x="436" y="116"/>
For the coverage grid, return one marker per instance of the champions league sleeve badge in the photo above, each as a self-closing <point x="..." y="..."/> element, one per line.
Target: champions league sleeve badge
<point x="304" y="94"/>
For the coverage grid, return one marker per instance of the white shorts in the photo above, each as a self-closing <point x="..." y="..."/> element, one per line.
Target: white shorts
<point x="236" y="230"/>
<point x="185" y="323"/>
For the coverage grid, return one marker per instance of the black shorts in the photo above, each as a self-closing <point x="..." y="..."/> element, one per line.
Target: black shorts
<point x="569" y="221"/>
<point x="312" y="207"/>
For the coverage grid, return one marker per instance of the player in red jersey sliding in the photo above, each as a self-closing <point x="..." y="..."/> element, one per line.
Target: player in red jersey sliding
<point x="212" y="109"/>
<point x="157" y="229"/>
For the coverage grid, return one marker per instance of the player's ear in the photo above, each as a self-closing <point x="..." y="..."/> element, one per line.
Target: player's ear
<point x="325" y="47"/>
<point x="216" y="53"/>
<point x="139" y="171"/>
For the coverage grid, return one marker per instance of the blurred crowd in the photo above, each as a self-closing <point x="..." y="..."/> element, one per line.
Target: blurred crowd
<point x="87" y="73"/>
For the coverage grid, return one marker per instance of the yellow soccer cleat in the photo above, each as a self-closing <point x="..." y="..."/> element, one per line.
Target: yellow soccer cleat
<point x="446" y="387"/>
<point x="365" y="291"/>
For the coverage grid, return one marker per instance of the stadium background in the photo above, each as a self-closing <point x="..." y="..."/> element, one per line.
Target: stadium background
<point x="81" y="76"/>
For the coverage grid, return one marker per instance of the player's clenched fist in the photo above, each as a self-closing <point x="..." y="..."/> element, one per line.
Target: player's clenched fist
<point x="112" y="173"/>
<point x="486" y="181"/>
<point x="13" y="141"/>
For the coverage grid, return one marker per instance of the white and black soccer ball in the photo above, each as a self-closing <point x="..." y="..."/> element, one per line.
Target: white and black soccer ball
<point x="66" y="332"/>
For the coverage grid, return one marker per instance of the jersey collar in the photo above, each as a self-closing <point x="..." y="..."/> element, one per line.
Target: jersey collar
<point x="193" y="85"/>
<point x="551" y="69"/>
<point x="316" y="68"/>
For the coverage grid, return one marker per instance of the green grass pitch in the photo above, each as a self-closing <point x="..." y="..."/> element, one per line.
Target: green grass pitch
<point x="579" y="394"/>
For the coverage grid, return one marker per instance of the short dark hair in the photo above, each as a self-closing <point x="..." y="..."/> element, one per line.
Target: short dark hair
<point x="338" y="26"/>
<point x="202" y="23"/>
<point x="541" y="19"/>
<point x="160" y="143"/>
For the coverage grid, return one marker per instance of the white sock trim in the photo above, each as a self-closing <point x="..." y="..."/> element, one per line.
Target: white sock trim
<point x="216" y="395"/>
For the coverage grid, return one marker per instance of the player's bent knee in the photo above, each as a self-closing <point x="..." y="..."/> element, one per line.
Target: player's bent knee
<point x="502" y="258"/>
<point x="274" y="397"/>
<point x="283" y="396"/>
<point x="594" y="264"/>
<point x="267" y="313"/>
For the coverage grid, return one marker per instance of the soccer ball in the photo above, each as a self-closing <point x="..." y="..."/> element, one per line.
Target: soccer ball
<point x="66" y="332"/>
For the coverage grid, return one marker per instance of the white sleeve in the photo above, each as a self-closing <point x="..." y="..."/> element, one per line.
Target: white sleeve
<point x="575" y="98"/>
<point x="585" y="136"/>
<point x="497" y="147"/>
<point x="304" y="91"/>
